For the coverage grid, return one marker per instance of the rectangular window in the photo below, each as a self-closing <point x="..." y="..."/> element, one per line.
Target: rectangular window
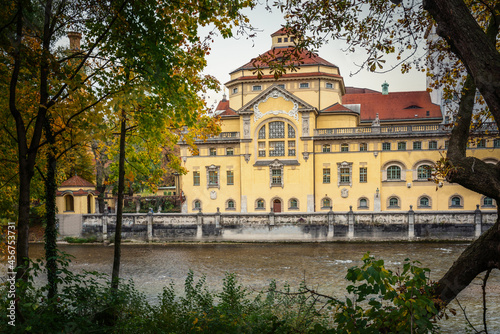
<point x="304" y="85"/>
<point x="279" y="39"/>
<point x="230" y="177"/>
<point x="386" y="146"/>
<point x="496" y="143"/>
<point x="276" y="177"/>
<point x="481" y="143"/>
<point x="446" y="142"/>
<point x="282" y="86"/>
<point x="213" y="151"/>
<point x="345" y="175"/>
<point x="326" y="175"/>
<point x="276" y="148"/>
<point x="235" y="90"/>
<point x="433" y="145"/>
<point x="213" y="178"/>
<point x="229" y="151"/>
<point x="291" y="148"/>
<point x="363" y="174"/>
<point x="326" y="148"/>
<point x="363" y="147"/>
<point x="277" y="130"/>
<point x="286" y="39"/>
<point x="329" y="85"/>
<point x="417" y="145"/>
<point x="344" y="148"/>
<point x="262" y="149"/>
<point x="402" y="146"/>
<point x="256" y="88"/>
<point x="196" y="178"/>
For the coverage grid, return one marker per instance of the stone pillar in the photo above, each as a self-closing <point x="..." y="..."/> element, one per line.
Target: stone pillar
<point x="411" y="223"/>
<point x="310" y="203"/>
<point x="376" y="202"/>
<point x="199" y="225"/>
<point x="330" y="219"/>
<point x="478" y="220"/>
<point x="244" y="204"/>
<point x="350" y="220"/>
<point x="217" y="218"/>
<point x="271" y="217"/>
<point x="137" y="205"/>
<point x="104" y="218"/>
<point x="150" y="226"/>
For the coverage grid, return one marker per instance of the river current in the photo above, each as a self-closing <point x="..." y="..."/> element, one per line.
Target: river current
<point x="322" y="265"/>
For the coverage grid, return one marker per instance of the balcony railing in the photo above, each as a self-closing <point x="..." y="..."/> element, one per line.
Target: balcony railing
<point x="360" y="131"/>
<point x="225" y="136"/>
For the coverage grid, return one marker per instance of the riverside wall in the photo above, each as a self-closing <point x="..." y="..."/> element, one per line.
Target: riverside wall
<point x="304" y="227"/>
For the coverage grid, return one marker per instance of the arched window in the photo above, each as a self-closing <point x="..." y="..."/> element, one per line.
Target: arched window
<point x="326" y="203"/>
<point x="326" y="148"/>
<point x="456" y="201"/>
<point x="70" y="203"/>
<point x="424" y="172"/>
<point x="394" y="173"/>
<point x="344" y="147"/>
<point x="260" y="204"/>
<point x="230" y="205"/>
<point x="487" y="201"/>
<point x="293" y="204"/>
<point x="393" y="202"/>
<point x="276" y="145"/>
<point x="424" y="201"/>
<point x="197" y="204"/>
<point x="363" y="203"/>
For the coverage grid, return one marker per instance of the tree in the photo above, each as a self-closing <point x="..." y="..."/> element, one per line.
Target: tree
<point x="470" y="32"/>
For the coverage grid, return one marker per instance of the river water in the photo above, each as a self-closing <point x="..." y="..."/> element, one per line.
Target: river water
<point x="322" y="265"/>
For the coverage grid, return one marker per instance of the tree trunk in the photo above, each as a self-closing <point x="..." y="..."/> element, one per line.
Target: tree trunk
<point x="477" y="49"/>
<point x="50" y="214"/>
<point x="119" y="207"/>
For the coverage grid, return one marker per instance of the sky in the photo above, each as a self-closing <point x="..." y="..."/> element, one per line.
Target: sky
<point x="229" y="54"/>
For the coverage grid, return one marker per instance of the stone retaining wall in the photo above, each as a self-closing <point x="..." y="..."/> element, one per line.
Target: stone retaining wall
<point x="330" y="226"/>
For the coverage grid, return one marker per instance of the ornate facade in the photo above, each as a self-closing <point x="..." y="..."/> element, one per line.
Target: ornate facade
<point x="307" y="143"/>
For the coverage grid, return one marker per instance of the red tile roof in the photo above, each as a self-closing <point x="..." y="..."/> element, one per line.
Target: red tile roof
<point x="394" y="106"/>
<point x="224" y="105"/>
<point x="357" y="90"/>
<point x="300" y="58"/>
<point x="337" y="107"/>
<point x="76" y="181"/>
<point x="282" y="32"/>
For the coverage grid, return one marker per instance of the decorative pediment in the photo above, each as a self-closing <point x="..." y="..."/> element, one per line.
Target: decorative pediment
<point x="275" y="92"/>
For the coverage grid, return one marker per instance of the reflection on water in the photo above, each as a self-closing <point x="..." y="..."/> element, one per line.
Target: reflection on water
<point x="323" y="266"/>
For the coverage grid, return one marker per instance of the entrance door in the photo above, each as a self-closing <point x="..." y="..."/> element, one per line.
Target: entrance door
<point x="276" y="205"/>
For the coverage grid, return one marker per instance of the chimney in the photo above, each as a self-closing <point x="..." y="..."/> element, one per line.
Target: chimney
<point x="74" y="40"/>
<point x="385" y="88"/>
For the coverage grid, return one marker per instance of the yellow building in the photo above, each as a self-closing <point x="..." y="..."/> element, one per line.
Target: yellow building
<point x="307" y="143"/>
<point x="76" y="196"/>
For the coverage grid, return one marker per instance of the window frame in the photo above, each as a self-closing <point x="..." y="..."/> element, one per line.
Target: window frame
<point x="230" y="178"/>
<point x="344" y="147"/>
<point x="259" y="201"/>
<point x="229" y="151"/>
<point x="292" y="207"/>
<point x="363" y="174"/>
<point x="303" y="85"/>
<point x="329" y="85"/>
<point x="256" y="88"/>
<point x="212" y="151"/>
<point x="323" y="202"/>
<point x="417" y="145"/>
<point x="326" y="175"/>
<point x="366" y="206"/>
<point x="433" y="145"/>
<point x="391" y="169"/>
<point x="420" y="170"/>
<point x="386" y="146"/>
<point x="235" y="90"/>
<point x="196" y="178"/>
<point x="393" y="205"/>
<point x="402" y="146"/>
<point x="229" y="207"/>
<point x="363" y="147"/>
<point x="326" y="148"/>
